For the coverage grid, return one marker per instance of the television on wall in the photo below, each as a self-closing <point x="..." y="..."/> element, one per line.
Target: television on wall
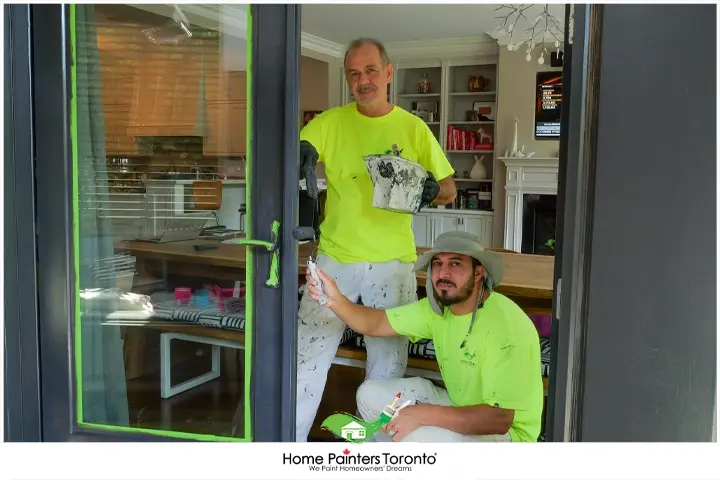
<point x="548" y="103"/>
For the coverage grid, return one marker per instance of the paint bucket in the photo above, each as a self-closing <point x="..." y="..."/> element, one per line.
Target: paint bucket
<point x="397" y="183"/>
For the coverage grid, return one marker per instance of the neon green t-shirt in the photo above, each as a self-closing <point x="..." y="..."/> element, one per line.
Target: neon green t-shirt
<point x="353" y="230"/>
<point x="500" y="363"/>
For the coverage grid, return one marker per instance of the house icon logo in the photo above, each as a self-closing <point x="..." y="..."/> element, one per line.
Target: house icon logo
<point x="353" y="431"/>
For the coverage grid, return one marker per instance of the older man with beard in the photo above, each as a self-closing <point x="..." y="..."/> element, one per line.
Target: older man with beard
<point x="487" y="348"/>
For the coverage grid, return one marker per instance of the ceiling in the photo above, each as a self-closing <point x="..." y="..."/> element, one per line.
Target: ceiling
<point x="405" y="22"/>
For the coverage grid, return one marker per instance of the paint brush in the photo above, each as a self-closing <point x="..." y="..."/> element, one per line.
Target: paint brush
<point x="389" y="410"/>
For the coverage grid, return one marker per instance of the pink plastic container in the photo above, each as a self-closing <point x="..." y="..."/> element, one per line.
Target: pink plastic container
<point x="183" y="295"/>
<point x="543" y="324"/>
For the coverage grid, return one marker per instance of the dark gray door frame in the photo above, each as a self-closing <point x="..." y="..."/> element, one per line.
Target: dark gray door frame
<point x="21" y="367"/>
<point x="636" y="336"/>
<point x="575" y="216"/>
<point x="275" y="80"/>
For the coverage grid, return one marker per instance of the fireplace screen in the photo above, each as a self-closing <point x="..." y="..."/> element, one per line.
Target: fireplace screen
<point x="538" y="228"/>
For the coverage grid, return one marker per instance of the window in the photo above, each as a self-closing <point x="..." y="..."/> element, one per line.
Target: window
<point x="159" y="132"/>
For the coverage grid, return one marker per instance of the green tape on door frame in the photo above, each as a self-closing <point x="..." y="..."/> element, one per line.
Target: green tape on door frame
<point x="249" y="290"/>
<point x="76" y="213"/>
<point x="76" y="265"/>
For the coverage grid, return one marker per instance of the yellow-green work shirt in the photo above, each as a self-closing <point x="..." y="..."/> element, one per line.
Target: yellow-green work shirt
<point x="353" y="230"/>
<point x="499" y="365"/>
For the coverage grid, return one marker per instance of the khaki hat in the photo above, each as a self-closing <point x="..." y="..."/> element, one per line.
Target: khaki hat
<point x="462" y="243"/>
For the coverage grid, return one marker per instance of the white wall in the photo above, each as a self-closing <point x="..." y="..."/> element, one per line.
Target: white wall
<point x="516" y="98"/>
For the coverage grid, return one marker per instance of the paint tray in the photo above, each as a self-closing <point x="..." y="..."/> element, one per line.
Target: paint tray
<point x="397" y="183"/>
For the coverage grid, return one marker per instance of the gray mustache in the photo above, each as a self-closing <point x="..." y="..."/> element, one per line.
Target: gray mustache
<point x="365" y="88"/>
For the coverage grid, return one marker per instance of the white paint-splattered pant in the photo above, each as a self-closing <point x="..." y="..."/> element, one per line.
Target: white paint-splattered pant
<point x="379" y="285"/>
<point x="374" y="395"/>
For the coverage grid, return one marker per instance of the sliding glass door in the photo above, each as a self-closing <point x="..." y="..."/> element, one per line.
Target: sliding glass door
<point x="166" y="186"/>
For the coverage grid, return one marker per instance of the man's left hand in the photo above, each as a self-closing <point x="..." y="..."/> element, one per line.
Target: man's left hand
<point x="430" y="191"/>
<point x="407" y="420"/>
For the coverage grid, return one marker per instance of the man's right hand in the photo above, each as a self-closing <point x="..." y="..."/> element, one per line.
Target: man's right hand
<point x="329" y="288"/>
<point x="308" y="161"/>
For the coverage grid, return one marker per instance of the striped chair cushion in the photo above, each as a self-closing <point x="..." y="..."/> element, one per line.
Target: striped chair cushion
<point x="233" y="318"/>
<point x="426" y="349"/>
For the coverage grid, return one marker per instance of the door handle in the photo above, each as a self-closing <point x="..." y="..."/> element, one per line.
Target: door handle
<point x="273" y="246"/>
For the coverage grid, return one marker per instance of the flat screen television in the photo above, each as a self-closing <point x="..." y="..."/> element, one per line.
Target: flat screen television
<point x="548" y="103"/>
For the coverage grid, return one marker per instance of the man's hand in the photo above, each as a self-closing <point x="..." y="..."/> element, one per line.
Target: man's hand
<point x="329" y="287"/>
<point x="308" y="161"/>
<point x="407" y="420"/>
<point x="430" y="191"/>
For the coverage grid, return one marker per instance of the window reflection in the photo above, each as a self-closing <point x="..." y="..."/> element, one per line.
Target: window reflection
<point x="159" y="133"/>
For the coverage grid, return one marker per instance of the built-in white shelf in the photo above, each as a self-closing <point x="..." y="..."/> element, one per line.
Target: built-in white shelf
<point x="466" y="122"/>
<point x="456" y="210"/>
<point x="471" y="180"/>
<point x="418" y="95"/>
<point x="471" y="94"/>
<point x="490" y="152"/>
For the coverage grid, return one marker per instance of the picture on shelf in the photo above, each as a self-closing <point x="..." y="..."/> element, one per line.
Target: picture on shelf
<point x="427" y="106"/>
<point x="485" y="111"/>
<point x="309" y="115"/>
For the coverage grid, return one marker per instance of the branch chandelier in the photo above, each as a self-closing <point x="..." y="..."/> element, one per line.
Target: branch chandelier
<point x="544" y="29"/>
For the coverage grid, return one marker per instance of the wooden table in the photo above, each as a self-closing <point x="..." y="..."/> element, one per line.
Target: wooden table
<point x="526" y="276"/>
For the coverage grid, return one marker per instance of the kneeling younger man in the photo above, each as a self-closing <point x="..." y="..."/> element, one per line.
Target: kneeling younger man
<point x="487" y="348"/>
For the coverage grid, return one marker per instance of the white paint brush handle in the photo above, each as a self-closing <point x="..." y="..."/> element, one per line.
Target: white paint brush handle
<point x="314" y="275"/>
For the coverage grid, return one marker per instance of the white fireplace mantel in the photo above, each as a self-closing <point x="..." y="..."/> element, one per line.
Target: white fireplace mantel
<point x="525" y="176"/>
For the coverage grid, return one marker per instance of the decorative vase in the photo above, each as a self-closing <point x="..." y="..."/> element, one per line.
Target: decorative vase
<point x="514" y="151"/>
<point x="478" y="172"/>
<point x="423" y="85"/>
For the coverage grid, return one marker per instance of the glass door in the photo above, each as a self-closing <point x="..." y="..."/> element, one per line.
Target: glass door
<point x="167" y="184"/>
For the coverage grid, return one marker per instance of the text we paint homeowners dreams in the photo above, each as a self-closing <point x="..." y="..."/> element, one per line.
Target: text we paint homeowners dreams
<point x="357" y="462"/>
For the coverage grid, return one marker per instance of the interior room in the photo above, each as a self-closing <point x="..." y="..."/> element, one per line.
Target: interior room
<point x="175" y="117"/>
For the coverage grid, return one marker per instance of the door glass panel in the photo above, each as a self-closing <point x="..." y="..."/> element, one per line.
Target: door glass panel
<point x="159" y="135"/>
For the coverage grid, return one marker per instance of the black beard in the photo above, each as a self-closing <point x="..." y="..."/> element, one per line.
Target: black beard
<point x="444" y="300"/>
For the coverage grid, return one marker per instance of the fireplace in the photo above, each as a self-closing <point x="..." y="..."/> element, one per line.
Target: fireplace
<point x="538" y="224"/>
<point x="530" y="204"/>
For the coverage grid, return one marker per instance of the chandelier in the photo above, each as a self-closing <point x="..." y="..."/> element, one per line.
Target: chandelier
<point x="544" y="29"/>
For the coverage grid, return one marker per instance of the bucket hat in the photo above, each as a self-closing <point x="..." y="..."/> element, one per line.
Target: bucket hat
<point x="462" y="243"/>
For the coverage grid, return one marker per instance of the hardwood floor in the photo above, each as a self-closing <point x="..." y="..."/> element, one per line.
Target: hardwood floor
<point x="215" y="408"/>
<point x="210" y="409"/>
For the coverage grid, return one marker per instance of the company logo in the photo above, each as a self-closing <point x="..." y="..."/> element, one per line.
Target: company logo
<point x="468" y="358"/>
<point x="350" y="428"/>
<point x="348" y="461"/>
<point x="353" y="431"/>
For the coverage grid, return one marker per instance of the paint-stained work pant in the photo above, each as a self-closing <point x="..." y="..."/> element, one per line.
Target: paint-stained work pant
<point x="379" y="285"/>
<point x="373" y="395"/>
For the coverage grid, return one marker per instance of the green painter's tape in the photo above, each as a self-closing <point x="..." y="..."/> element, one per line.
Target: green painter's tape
<point x="249" y="295"/>
<point x="76" y="213"/>
<point x="76" y="264"/>
<point x="274" y="276"/>
<point x="269" y="246"/>
<point x="162" y="433"/>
